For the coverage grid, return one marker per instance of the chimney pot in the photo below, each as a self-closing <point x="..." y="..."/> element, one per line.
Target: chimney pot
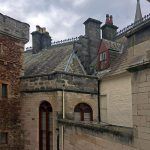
<point x="37" y="28"/>
<point x="111" y="19"/>
<point x="107" y="19"/>
<point x="44" y="30"/>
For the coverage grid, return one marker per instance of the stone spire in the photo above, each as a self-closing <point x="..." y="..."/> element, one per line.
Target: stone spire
<point x="138" y="14"/>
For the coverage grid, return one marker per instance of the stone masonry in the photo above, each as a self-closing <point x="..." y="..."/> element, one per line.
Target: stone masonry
<point x="13" y="36"/>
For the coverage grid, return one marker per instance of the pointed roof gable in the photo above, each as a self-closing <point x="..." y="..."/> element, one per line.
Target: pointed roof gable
<point x="138" y="14"/>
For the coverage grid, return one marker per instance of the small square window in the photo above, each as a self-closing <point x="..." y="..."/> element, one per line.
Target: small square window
<point x="3" y="137"/>
<point x="4" y="90"/>
<point x="103" y="56"/>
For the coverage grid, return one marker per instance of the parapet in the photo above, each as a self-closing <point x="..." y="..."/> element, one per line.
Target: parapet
<point x="14" y="28"/>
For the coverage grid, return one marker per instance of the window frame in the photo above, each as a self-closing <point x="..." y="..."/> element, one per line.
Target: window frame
<point x="6" y="88"/>
<point x="83" y="108"/>
<point x="103" y="56"/>
<point x="6" y="137"/>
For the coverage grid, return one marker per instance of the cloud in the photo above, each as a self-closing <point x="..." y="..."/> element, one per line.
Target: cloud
<point x="64" y="18"/>
<point x="75" y="3"/>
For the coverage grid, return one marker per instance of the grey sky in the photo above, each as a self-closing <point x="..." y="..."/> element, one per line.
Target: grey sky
<point x="64" y="18"/>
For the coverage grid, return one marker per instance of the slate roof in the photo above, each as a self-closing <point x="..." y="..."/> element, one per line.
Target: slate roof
<point x="53" y="59"/>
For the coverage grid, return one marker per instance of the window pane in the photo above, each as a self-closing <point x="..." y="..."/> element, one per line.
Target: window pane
<point x="3" y="138"/>
<point x="43" y="120"/>
<point x="77" y="116"/>
<point x="50" y="121"/>
<point x="103" y="56"/>
<point x="87" y="116"/>
<point x="4" y="90"/>
<point x="44" y="140"/>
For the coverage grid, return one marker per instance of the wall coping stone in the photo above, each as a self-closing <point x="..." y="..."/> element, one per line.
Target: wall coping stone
<point x="123" y="134"/>
<point x="14" y="28"/>
<point x="59" y="73"/>
<point x="139" y="66"/>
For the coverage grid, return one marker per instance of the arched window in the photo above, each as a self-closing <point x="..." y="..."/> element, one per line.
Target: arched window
<point x="45" y="126"/>
<point x="83" y="112"/>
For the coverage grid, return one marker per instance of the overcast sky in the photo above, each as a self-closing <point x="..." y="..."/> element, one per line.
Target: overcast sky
<point x="64" y="18"/>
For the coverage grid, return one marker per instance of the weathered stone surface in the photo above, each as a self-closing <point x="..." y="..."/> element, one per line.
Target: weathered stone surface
<point x="11" y="68"/>
<point x="13" y="35"/>
<point x="14" y="28"/>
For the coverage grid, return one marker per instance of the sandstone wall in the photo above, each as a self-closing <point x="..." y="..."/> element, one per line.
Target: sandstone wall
<point x="14" y="28"/>
<point x="13" y="35"/>
<point x="35" y="89"/>
<point x="84" y="139"/>
<point x="119" y="99"/>
<point x="10" y="71"/>
<point x="141" y="108"/>
<point x="30" y="117"/>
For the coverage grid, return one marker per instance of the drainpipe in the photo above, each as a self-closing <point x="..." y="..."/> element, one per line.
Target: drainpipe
<point x="63" y="103"/>
<point x="98" y="101"/>
<point x="63" y="111"/>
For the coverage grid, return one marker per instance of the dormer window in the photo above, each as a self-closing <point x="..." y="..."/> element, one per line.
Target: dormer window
<point x="103" y="56"/>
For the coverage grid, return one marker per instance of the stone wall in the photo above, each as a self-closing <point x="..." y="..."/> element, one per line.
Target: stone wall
<point x="14" y="28"/>
<point x="30" y="117"/>
<point x="78" y="136"/>
<point x="141" y="86"/>
<point x="13" y="36"/>
<point x="10" y="71"/>
<point x="36" y="89"/>
<point x="141" y="108"/>
<point x="58" y="81"/>
<point x="118" y="94"/>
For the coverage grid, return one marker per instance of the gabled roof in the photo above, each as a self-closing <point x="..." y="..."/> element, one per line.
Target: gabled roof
<point x="53" y="59"/>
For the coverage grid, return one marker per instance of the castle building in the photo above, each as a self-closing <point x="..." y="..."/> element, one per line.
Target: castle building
<point x="90" y="92"/>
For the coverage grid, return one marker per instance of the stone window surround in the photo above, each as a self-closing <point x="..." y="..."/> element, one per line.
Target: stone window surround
<point x="8" y="88"/>
<point x="5" y="133"/>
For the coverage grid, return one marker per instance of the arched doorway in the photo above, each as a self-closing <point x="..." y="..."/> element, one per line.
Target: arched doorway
<point x="83" y="112"/>
<point x="45" y="126"/>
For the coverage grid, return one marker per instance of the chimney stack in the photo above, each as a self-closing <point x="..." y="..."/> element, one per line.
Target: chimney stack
<point x="92" y="28"/>
<point x="108" y="29"/>
<point x="40" y="39"/>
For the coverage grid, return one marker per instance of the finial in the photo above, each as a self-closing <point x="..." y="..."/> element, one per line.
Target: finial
<point x="138" y="14"/>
